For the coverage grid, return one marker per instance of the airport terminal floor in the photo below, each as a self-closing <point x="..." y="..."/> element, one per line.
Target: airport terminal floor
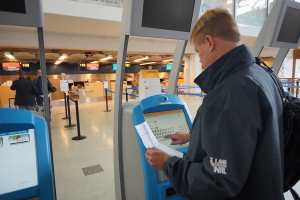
<point x="96" y="151"/>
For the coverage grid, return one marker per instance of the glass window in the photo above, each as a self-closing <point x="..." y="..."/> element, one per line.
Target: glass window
<point x="251" y="15"/>
<point x="271" y="4"/>
<point x="209" y="4"/>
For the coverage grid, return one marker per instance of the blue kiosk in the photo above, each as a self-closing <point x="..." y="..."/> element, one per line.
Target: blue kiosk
<point x="165" y="114"/>
<point x="26" y="165"/>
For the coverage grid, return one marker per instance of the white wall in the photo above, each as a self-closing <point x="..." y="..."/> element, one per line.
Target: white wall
<point x="79" y="9"/>
<point x="28" y="39"/>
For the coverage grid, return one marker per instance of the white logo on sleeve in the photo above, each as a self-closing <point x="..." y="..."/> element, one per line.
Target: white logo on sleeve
<point x="219" y="166"/>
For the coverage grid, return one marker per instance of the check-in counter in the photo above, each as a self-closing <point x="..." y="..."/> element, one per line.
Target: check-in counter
<point x="6" y="94"/>
<point x="94" y="89"/>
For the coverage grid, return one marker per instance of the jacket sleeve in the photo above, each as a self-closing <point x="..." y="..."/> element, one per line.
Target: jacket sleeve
<point x="229" y="137"/>
<point x="13" y="86"/>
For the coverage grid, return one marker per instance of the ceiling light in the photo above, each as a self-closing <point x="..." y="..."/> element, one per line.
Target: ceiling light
<point x="142" y="59"/>
<point x="63" y="57"/>
<point x="148" y="63"/>
<point x="106" y="58"/>
<point x="168" y="60"/>
<point x="9" y="56"/>
<point x="94" y="62"/>
<point x="57" y="62"/>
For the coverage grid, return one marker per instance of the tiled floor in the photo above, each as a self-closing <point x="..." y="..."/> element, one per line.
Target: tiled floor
<point x="71" y="156"/>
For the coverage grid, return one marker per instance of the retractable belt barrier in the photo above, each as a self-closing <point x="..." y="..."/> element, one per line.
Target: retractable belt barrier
<point x="70" y="125"/>
<point x="79" y="136"/>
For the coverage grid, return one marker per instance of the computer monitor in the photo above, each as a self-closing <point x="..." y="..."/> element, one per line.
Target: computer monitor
<point x="171" y="19"/>
<point x="288" y="33"/>
<point x="282" y="27"/>
<point x="21" y="13"/>
<point x="159" y="14"/>
<point x="14" y="6"/>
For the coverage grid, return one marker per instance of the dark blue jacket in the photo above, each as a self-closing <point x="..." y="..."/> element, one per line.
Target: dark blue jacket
<point x="235" y="151"/>
<point x="25" y="92"/>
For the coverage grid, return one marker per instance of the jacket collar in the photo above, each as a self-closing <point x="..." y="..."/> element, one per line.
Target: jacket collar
<point x="235" y="60"/>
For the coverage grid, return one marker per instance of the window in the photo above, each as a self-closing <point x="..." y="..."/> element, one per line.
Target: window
<point x="250" y="15"/>
<point x="209" y="4"/>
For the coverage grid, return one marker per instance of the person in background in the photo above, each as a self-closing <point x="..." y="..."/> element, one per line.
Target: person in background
<point x="39" y="88"/>
<point x="25" y="92"/>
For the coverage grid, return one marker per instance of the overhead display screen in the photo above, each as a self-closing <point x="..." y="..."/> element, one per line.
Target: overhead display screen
<point x="290" y="29"/>
<point x="173" y="15"/>
<point x="14" y="6"/>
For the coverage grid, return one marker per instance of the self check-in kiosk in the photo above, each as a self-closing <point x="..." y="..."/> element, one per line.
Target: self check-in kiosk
<point x="155" y="19"/>
<point x="165" y="114"/>
<point x="26" y="165"/>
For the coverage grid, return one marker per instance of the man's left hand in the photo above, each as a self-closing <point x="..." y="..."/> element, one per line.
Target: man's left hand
<point x="156" y="158"/>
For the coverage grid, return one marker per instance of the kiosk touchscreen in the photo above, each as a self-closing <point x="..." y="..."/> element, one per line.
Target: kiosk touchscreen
<point x="165" y="115"/>
<point x="26" y="168"/>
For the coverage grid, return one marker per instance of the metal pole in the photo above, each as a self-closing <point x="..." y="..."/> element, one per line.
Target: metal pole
<point x="70" y="125"/>
<point x="179" y="53"/>
<point x="66" y="110"/>
<point x="79" y="136"/>
<point x="106" y="100"/>
<point x="282" y="53"/>
<point x="40" y="33"/>
<point x="297" y="90"/>
<point x="126" y="94"/>
<point x="118" y="115"/>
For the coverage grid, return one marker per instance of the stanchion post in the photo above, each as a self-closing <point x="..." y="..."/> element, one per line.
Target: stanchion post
<point x="297" y="90"/>
<point x="79" y="136"/>
<point x="106" y="100"/>
<point x="66" y="109"/>
<point x="126" y="93"/>
<point x="70" y="125"/>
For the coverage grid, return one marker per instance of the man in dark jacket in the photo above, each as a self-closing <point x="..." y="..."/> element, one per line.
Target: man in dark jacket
<point x="235" y="150"/>
<point x="25" y="92"/>
<point x="39" y="88"/>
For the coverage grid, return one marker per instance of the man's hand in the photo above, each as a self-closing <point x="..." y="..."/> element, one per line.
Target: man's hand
<point x="156" y="158"/>
<point x="180" y="138"/>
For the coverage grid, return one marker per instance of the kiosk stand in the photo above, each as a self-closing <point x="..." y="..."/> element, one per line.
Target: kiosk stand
<point x="138" y="20"/>
<point x="29" y="13"/>
<point x="26" y="164"/>
<point x="165" y="114"/>
<point x="281" y="30"/>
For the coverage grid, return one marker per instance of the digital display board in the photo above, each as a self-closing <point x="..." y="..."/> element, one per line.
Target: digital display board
<point x="169" y="67"/>
<point x="11" y="66"/>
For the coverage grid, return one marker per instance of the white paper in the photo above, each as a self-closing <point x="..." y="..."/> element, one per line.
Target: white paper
<point x="105" y="84"/>
<point x="149" y="87"/>
<point x="150" y="141"/>
<point x="64" y="85"/>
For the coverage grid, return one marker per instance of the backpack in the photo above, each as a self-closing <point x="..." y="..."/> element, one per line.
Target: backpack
<point x="291" y="134"/>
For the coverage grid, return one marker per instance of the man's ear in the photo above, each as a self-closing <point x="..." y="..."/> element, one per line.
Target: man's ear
<point x="211" y="42"/>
